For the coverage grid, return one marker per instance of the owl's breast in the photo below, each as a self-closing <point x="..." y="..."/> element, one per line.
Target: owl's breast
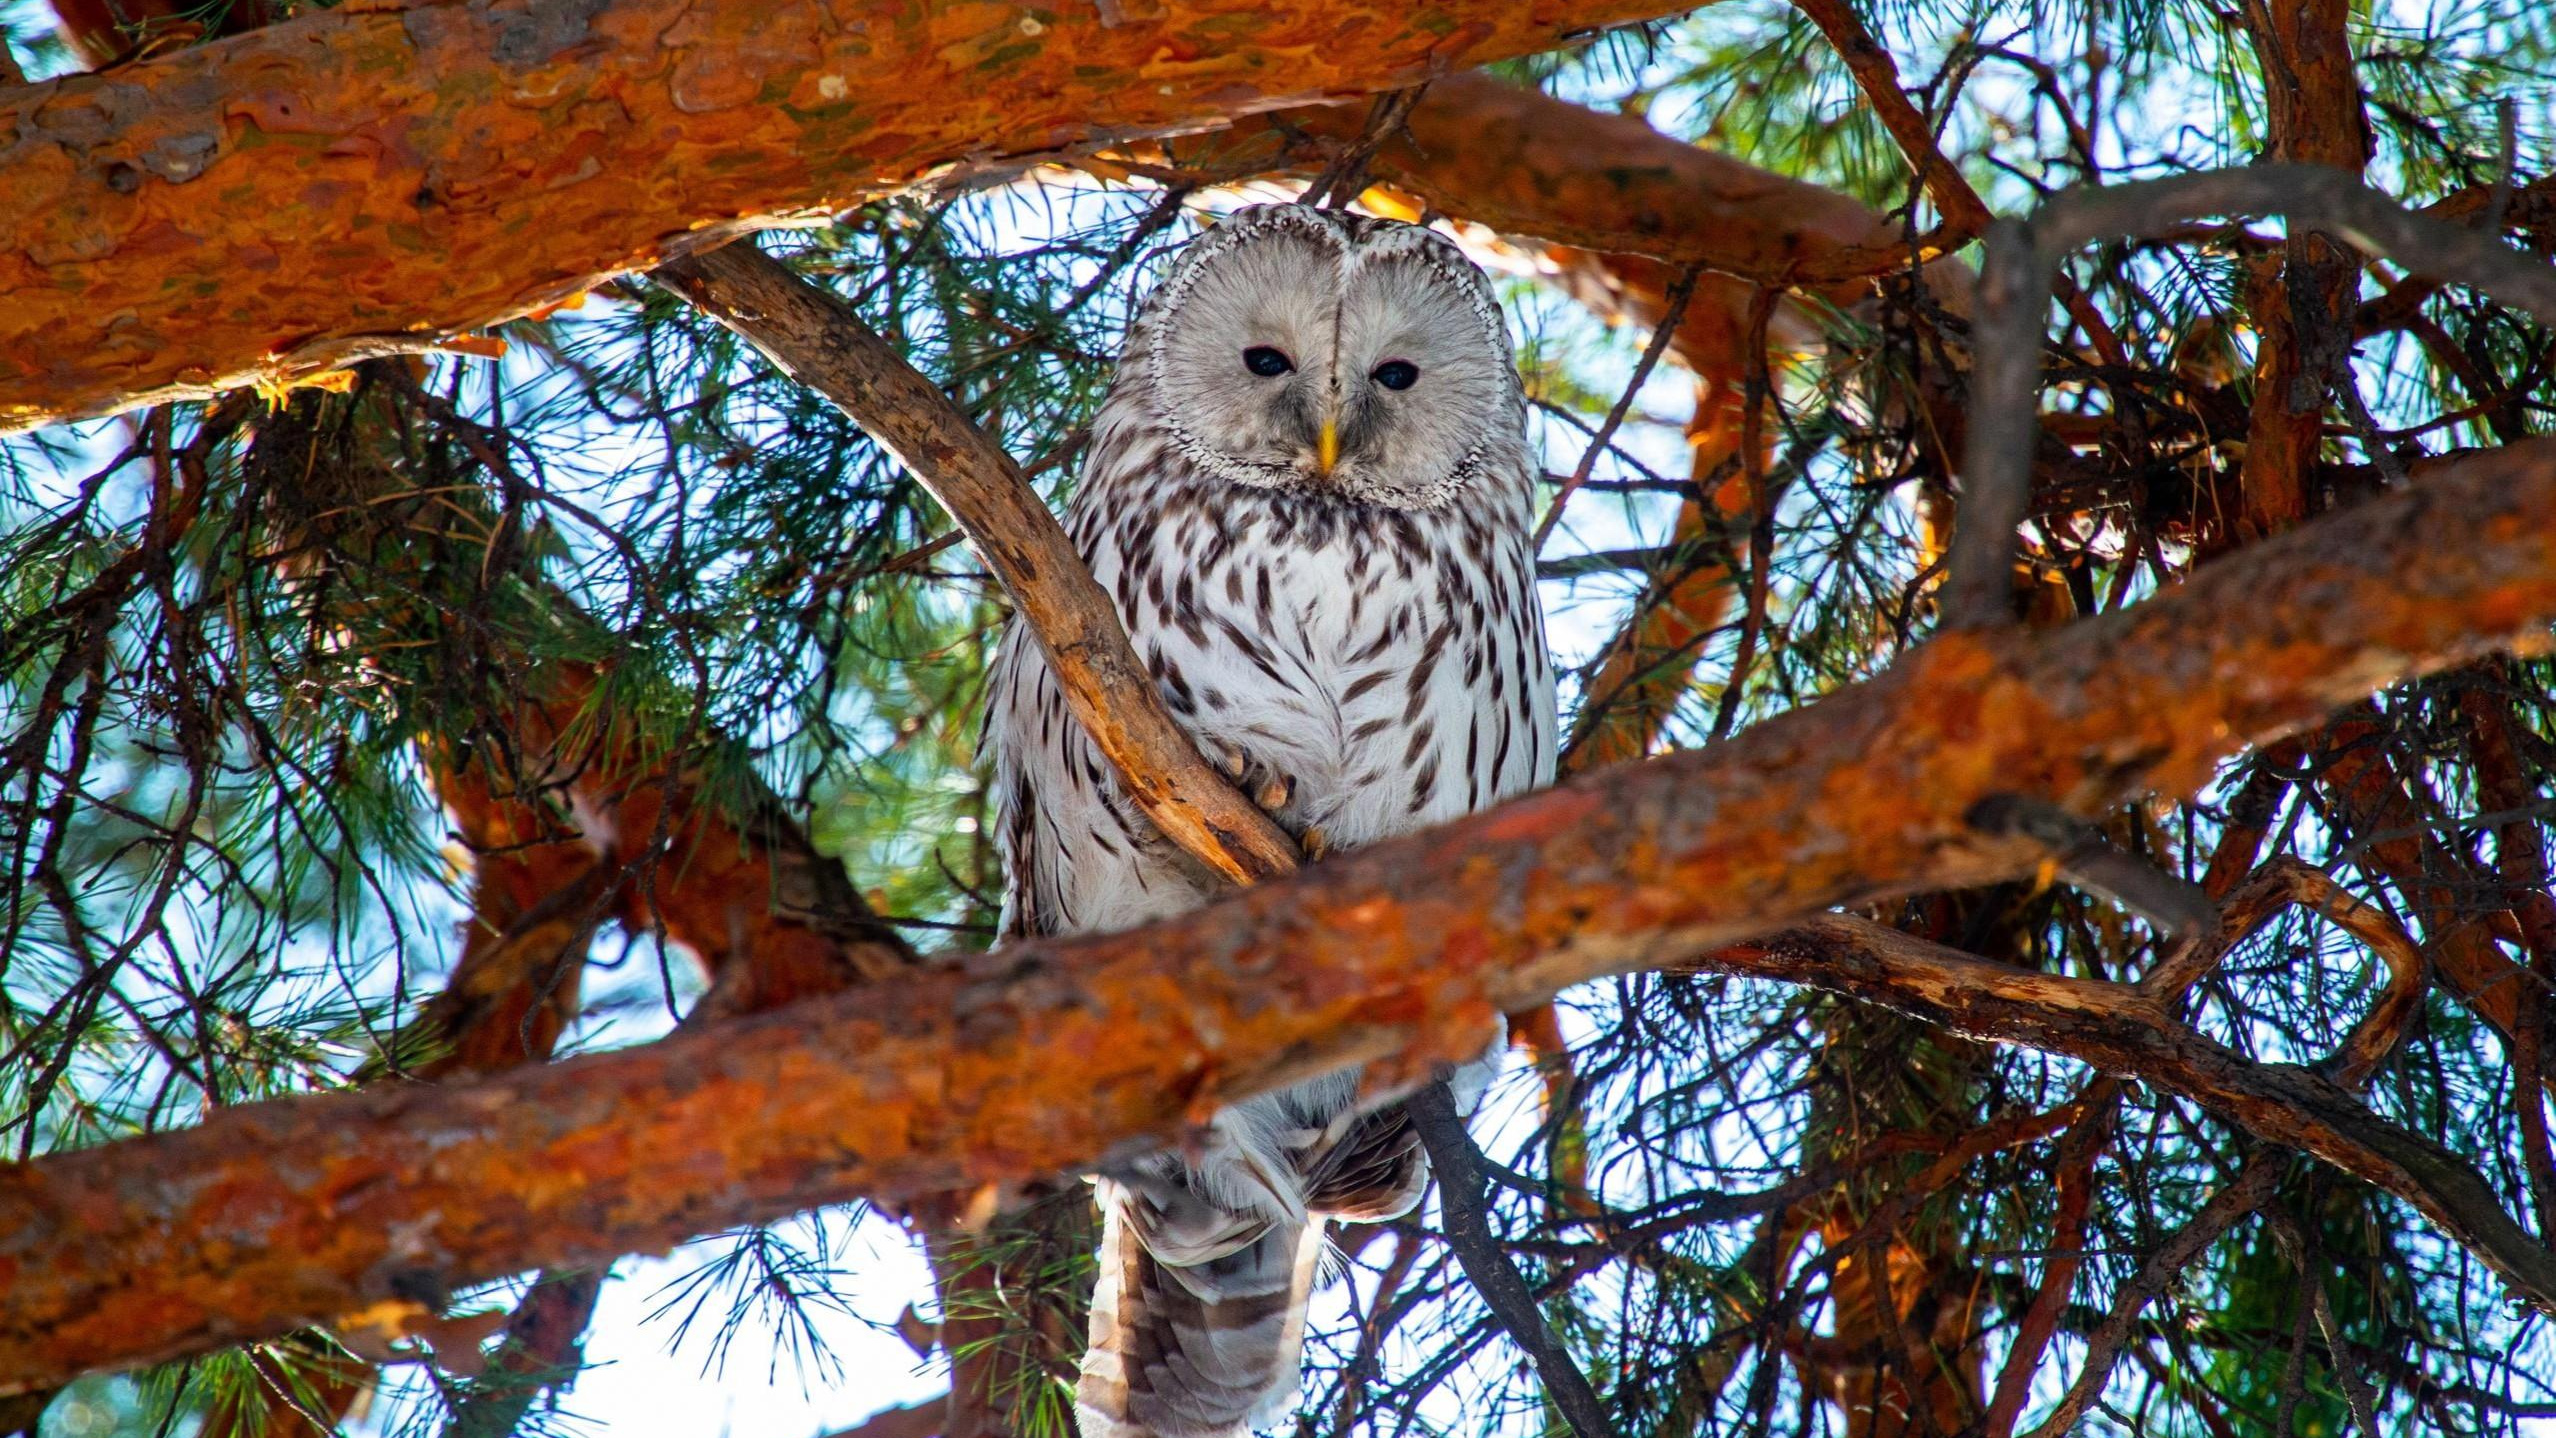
<point x="1394" y="677"/>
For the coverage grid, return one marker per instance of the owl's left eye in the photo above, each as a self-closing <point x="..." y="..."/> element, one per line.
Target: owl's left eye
<point x="1396" y="374"/>
<point x="1266" y="362"/>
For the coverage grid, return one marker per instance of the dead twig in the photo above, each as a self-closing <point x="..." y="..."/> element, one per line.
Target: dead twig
<point x="1666" y="330"/>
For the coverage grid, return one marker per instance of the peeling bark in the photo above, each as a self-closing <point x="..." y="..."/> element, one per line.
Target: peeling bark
<point x="380" y="176"/>
<point x="1055" y="1054"/>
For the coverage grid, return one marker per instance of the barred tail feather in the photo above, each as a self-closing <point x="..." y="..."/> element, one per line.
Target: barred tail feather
<point x="1203" y="1350"/>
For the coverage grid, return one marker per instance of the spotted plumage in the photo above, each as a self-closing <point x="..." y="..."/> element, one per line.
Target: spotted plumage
<point x="1308" y="493"/>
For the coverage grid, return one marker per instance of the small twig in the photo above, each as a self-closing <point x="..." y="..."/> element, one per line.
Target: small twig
<point x="1345" y="178"/>
<point x="1963" y="213"/>
<point x="2254" y="1186"/>
<point x="1466" y="1215"/>
<point x="2302" y="1251"/>
<point x="1666" y="330"/>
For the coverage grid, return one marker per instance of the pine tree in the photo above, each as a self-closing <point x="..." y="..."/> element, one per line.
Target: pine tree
<point x="2051" y="919"/>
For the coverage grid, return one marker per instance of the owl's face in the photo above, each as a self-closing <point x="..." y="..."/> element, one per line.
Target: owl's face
<point x="1301" y="349"/>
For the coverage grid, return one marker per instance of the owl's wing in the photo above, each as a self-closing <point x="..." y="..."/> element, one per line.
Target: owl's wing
<point x="1374" y="1171"/>
<point x="1077" y="855"/>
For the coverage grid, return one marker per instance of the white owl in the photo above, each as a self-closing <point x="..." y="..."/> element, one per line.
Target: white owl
<point x="1309" y="492"/>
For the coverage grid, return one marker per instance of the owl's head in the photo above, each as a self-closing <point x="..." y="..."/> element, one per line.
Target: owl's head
<point x="1307" y="350"/>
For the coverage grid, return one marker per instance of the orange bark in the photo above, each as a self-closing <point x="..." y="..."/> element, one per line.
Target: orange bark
<point x="2314" y="100"/>
<point x="375" y="176"/>
<point x="1056" y="1054"/>
<point x="1524" y="163"/>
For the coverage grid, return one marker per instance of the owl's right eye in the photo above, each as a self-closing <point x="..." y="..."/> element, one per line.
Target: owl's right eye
<point x="1266" y="362"/>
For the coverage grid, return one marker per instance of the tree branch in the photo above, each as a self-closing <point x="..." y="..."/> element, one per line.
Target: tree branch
<point x="1517" y="160"/>
<point x="1964" y="214"/>
<point x="464" y="164"/>
<point x="1060" y="1054"/>
<point x="2120" y="1030"/>
<point x="817" y="340"/>
<point x="2250" y="1190"/>
<point x="1465" y="1210"/>
<point x="2014" y="297"/>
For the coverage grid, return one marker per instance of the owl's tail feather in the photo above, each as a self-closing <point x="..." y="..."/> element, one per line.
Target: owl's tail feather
<point x="1193" y="1350"/>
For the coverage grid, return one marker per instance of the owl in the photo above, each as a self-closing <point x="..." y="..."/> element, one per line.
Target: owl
<point x="1309" y="492"/>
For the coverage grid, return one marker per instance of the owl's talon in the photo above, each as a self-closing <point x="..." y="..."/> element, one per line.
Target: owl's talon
<point x="1235" y="763"/>
<point x="1275" y="792"/>
<point x="1316" y="844"/>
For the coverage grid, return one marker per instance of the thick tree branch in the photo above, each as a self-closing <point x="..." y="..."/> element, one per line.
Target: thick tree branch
<point x="1517" y="160"/>
<point x="376" y="178"/>
<point x="1057" y="1054"/>
<point x="818" y="341"/>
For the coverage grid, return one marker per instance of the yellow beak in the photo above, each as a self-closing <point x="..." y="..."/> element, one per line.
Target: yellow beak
<point x="1327" y="448"/>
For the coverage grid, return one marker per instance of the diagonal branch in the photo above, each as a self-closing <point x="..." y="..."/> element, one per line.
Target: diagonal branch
<point x="1964" y="214"/>
<point x="2120" y="1030"/>
<point x="1058" y="1054"/>
<point x="1465" y="1209"/>
<point x="817" y="340"/>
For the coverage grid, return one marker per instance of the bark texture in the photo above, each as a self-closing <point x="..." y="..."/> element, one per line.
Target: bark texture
<point x="1520" y="162"/>
<point x="373" y="177"/>
<point x="1052" y="1055"/>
